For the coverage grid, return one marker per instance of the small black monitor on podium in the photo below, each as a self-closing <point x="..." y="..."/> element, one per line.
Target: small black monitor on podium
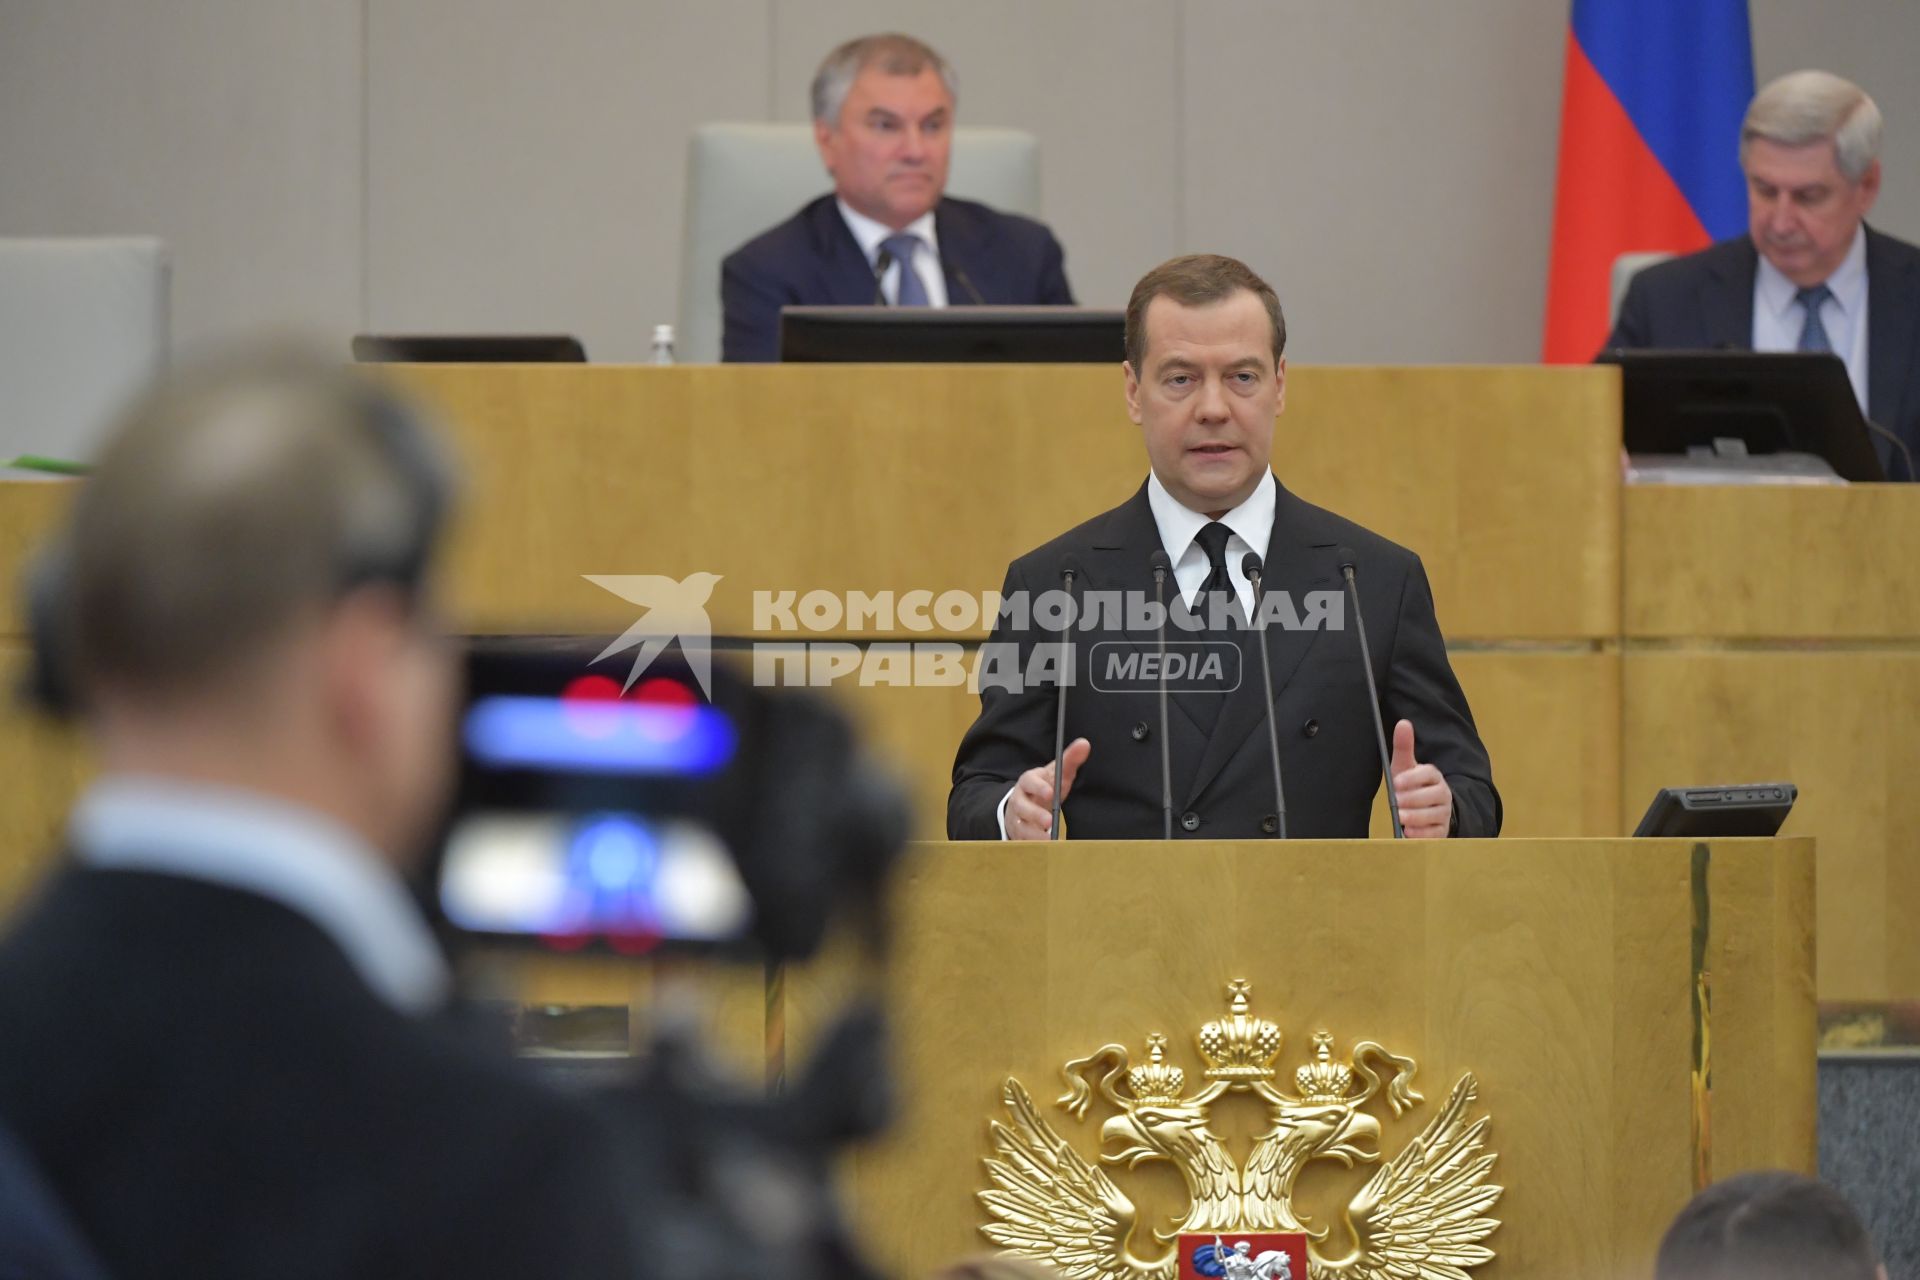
<point x="1745" y="809"/>
<point x="468" y="348"/>
<point x="953" y="335"/>
<point x="1728" y="406"/>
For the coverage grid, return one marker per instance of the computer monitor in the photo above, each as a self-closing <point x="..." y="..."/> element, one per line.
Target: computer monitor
<point x="1748" y="809"/>
<point x="1773" y="402"/>
<point x="953" y="335"/>
<point x="468" y="348"/>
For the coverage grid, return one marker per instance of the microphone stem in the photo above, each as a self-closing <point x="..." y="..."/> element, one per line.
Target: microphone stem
<point x="1060" y="714"/>
<point x="1166" y="765"/>
<point x="967" y="284"/>
<point x="1906" y="455"/>
<point x="1273" y="731"/>
<point x="1373" y="695"/>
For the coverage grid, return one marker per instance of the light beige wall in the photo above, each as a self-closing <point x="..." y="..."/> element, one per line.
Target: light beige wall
<point x="502" y="164"/>
<point x="230" y="127"/>
<point x="1392" y="173"/>
<point x="525" y="160"/>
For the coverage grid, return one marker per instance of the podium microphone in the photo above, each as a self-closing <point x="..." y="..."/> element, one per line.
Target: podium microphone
<point x="1900" y="446"/>
<point x="1250" y="566"/>
<point x="1067" y="572"/>
<point x="880" y="265"/>
<point x="1162" y="566"/>
<point x="1373" y="694"/>
<point x="967" y="284"/>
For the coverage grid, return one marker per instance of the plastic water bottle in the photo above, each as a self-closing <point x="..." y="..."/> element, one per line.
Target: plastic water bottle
<point x="662" y="344"/>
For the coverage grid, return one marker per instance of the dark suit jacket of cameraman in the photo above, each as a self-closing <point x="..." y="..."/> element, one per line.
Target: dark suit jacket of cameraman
<point x="1223" y="781"/>
<point x="211" y="1090"/>
<point x="812" y="260"/>
<point x="1704" y="301"/>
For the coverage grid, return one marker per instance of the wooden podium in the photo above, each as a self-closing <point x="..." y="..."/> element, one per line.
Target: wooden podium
<point x="1639" y="1016"/>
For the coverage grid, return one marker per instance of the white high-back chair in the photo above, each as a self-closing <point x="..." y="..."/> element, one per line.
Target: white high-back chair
<point x="83" y="324"/>
<point x="1625" y="268"/>
<point x="743" y="179"/>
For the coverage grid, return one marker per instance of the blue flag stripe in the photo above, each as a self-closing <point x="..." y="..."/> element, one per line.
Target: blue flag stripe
<point x="1683" y="70"/>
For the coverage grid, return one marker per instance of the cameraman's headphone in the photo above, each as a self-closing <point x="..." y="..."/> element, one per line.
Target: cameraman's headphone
<point x="398" y="437"/>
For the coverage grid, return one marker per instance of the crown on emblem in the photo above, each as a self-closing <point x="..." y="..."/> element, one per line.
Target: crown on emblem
<point x="1157" y="1080"/>
<point x="1323" y="1079"/>
<point x="1240" y="1047"/>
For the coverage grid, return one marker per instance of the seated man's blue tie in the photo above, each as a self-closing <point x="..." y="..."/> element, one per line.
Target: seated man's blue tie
<point x="1813" y="336"/>
<point x="912" y="291"/>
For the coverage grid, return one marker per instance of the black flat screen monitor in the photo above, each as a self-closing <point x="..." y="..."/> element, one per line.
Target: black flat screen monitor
<point x="953" y="335"/>
<point x="1773" y="401"/>
<point x="1748" y="809"/>
<point x="468" y="348"/>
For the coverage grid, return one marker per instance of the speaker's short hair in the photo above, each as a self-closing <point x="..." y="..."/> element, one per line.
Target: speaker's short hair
<point x="1197" y="280"/>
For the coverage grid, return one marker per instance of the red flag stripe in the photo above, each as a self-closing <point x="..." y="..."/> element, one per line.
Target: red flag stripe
<point x="1613" y="197"/>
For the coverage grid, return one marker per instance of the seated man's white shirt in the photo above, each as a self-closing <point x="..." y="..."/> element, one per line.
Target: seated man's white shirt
<point x="1779" y="318"/>
<point x="926" y="259"/>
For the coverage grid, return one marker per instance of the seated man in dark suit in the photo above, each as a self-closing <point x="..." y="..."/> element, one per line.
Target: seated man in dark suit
<point x="883" y="117"/>
<point x="226" y="1045"/>
<point x="1205" y="379"/>
<point x="1810" y="275"/>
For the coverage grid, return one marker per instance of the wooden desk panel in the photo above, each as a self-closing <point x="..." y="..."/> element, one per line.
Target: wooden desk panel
<point x="1772" y="562"/>
<point x="1839" y="725"/>
<point x="1551" y="724"/>
<point x="871" y="478"/>
<point x="896" y="478"/>
<point x="45" y="766"/>
<point x="1774" y="632"/>
<point x="1506" y="481"/>
<point x="1559" y="972"/>
<point x="1761" y="960"/>
<point x="797" y="478"/>
<point x="28" y="509"/>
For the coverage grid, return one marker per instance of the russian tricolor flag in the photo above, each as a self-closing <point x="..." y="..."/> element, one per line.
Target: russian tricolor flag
<point x="1649" y="148"/>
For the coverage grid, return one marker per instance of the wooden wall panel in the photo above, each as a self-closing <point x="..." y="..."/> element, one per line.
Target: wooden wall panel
<point x="1558" y="972"/>
<point x="905" y="477"/>
<point x="1771" y="562"/>
<point x="1504" y="480"/>
<point x="1840" y="725"/>
<point x="45" y="766"/>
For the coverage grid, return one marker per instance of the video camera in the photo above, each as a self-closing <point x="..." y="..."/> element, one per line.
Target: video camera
<point x="685" y="811"/>
<point x="679" y="811"/>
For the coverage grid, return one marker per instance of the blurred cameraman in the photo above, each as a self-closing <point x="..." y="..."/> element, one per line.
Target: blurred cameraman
<point x="225" y="1049"/>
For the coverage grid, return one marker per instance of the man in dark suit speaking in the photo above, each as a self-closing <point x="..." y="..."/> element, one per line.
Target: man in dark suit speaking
<point x="227" y="1049"/>
<point x="1810" y="275"/>
<point x="1205" y="379"/>
<point x="883" y="118"/>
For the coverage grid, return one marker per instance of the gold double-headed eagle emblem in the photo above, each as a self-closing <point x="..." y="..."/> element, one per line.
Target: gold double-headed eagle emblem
<point x="1420" y="1216"/>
